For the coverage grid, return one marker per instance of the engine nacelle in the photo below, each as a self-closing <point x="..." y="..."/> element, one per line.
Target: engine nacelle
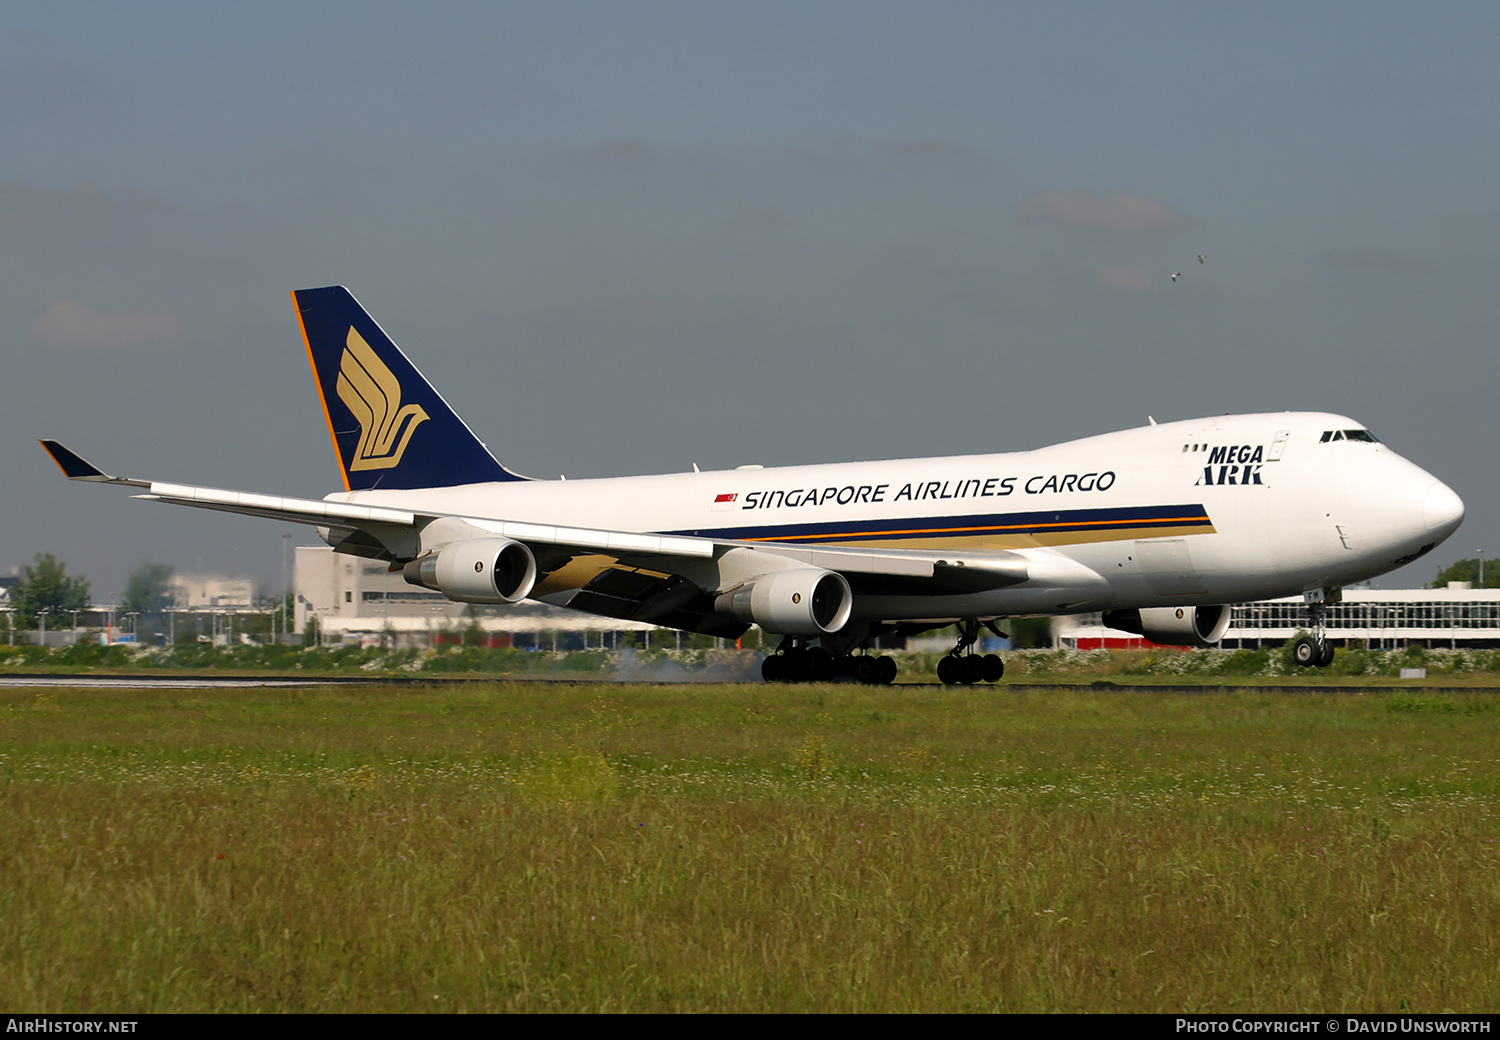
<point x="479" y="570"/>
<point x="1173" y="626"/>
<point x="804" y="601"/>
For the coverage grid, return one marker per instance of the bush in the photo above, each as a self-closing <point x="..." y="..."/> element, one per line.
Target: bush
<point x="1352" y="662"/>
<point x="1243" y="662"/>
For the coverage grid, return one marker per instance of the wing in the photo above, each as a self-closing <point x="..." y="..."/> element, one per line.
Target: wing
<point x="671" y="580"/>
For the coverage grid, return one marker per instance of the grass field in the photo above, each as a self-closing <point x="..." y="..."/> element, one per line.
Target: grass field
<point x="546" y="847"/>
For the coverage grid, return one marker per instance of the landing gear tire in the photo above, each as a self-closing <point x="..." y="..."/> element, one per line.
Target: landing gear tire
<point x="818" y="664"/>
<point x="875" y="671"/>
<point x="814" y="664"/>
<point x="1307" y="653"/>
<point x="791" y="665"/>
<point x="970" y="669"/>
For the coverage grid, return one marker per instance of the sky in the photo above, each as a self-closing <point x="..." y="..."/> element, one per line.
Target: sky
<point x="631" y="238"/>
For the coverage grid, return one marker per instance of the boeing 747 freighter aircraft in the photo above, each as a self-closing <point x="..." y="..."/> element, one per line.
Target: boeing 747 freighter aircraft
<point x="1160" y="528"/>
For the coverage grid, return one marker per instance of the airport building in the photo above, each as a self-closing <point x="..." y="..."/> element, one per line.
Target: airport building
<point x="210" y="592"/>
<point x="1458" y="617"/>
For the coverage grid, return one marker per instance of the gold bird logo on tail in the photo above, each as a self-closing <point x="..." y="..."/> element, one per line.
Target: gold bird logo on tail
<point x="372" y="392"/>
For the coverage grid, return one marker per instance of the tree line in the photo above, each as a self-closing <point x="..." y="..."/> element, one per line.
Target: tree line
<point x="1469" y="570"/>
<point x="45" y="588"/>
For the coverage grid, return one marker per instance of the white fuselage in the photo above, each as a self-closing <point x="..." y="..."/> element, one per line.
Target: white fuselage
<point x="1204" y="511"/>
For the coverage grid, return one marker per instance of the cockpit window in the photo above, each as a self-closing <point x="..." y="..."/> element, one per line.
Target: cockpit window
<point x="1350" y="435"/>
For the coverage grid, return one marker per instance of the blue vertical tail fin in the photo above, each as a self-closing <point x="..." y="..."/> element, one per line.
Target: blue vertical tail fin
<point x="390" y="428"/>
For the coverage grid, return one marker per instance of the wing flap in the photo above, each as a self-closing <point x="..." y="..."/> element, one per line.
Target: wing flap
<point x="643" y="595"/>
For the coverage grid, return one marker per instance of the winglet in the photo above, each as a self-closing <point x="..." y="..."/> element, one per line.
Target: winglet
<point x="75" y="467"/>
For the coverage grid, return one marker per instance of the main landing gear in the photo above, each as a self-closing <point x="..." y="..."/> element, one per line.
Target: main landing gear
<point x="1315" y="651"/>
<point x="795" y="662"/>
<point x="963" y="667"/>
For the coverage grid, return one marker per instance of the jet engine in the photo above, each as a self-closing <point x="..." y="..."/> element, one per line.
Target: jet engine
<point x="1173" y="626"/>
<point x="804" y="601"/>
<point x="479" y="570"/>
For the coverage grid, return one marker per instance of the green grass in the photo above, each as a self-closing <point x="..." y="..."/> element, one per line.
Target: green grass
<point x="515" y="847"/>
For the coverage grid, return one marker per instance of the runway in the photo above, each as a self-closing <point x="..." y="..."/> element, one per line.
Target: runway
<point x="185" y="682"/>
<point x="232" y="682"/>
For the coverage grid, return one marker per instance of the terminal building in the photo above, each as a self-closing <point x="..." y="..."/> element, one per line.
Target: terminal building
<point x="1458" y="617"/>
<point x="210" y="592"/>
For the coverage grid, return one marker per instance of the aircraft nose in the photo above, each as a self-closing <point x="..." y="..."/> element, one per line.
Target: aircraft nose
<point x="1442" y="510"/>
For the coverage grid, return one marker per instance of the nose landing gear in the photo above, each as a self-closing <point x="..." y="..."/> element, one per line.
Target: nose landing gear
<point x="1315" y="651"/>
